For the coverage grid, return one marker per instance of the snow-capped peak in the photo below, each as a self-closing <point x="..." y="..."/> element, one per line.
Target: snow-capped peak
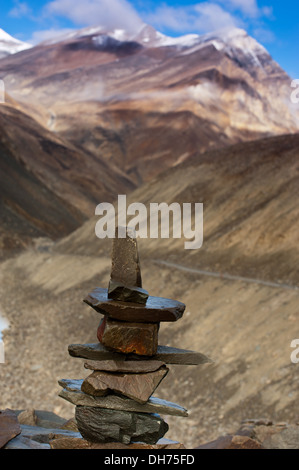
<point x="230" y="37"/>
<point x="234" y="42"/>
<point x="237" y="38"/>
<point x="6" y="37"/>
<point x="10" y="45"/>
<point x="150" y="36"/>
<point x="93" y="31"/>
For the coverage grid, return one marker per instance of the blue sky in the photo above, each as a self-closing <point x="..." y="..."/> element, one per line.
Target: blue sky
<point x="275" y="24"/>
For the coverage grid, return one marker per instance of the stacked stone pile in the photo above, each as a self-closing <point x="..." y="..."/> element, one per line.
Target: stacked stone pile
<point x="115" y="403"/>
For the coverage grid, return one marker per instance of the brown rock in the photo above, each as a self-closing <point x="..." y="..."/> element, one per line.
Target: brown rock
<point x="70" y="425"/>
<point x="77" y="443"/>
<point x="139" y="387"/>
<point x="125" y="259"/>
<point x="156" y="310"/>
<point x="162" y="443"/>
<point x="101" y="329"/>
<point x="71" y="443"/>
<point x="244" y="442"/>
<point x="277" y="437"/>
<point x="271" y="435"/>
<point x="118" y="291"/>
<point x="48" y="419"/>
<point x="92" y="385"/>
<point x="9" y="426"/>
<point x="28" y="417"/>
<point x="232" y="442"/>
<point x="124" y="366"/>
<point x="222" y="442"/>
<point x="137" y="338"/>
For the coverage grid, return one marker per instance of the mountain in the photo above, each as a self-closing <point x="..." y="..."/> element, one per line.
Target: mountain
<point x="10" y="45"/>
<point x="47" y="187"/>
<point x="145" y="102"/>
<point x="97" y="113"/>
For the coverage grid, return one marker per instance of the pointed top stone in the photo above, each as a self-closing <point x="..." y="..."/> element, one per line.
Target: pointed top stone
<point x="125" y="259"/>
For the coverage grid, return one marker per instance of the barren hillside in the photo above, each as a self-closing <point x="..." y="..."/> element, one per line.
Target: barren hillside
<point x="246" y="326"/>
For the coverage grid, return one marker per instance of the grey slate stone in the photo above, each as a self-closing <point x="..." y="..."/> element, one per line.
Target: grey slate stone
<point x="166" y="354"/>
<point x="102" y="425"/>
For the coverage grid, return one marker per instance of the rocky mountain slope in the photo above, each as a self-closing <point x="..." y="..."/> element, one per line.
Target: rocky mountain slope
<point x="250" y="213"/>
<point x="245" y="324"/>
<point x="47" y="187"/>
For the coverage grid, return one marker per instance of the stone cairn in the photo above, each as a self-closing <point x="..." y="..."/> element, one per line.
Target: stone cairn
<point x="115" y="404"/>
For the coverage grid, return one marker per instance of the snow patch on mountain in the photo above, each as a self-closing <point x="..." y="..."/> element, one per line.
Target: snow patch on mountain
<point x="10" y="45"/>
<point x="94" y="31"/>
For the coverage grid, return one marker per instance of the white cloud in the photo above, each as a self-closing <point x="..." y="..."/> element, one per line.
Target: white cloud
<point x="268" y="12"/>
<point x="212" y="17"/>
<point x="200" y="18"/>
<point x="264" y="35"/>
<point x="108" y="13"/>
<point x="45" y="35"/>
<point x="20" y="10"/>
<point x="248" y="7"/>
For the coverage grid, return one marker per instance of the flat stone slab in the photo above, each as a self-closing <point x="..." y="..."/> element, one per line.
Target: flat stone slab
<point x="165" y="354"/>
<point x="134" y="367"/>
<point x="21" y="442"/>
<point x="124" y="337"/>
<point x="9" y="426"/>
<point x="28" y="417"/>
<point x="46" y="419"/>
<point x="43" y="435"/>
<point x="100" y="425"/>
<point x="138" y="387"/>
<point x="157" y="309"/>
<point x="72" y="393"/>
